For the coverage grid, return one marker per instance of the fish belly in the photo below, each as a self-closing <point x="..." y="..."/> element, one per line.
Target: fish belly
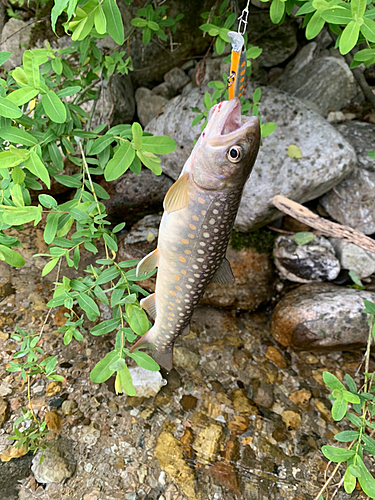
<point x="192" y="244"/>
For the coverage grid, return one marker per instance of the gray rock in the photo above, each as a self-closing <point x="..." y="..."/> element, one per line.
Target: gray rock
<point x="68" y="407"/>
<point x="185" y="359"/>
<point x="354" y="258"/>
<point x="133" y="196"/>
<point x="2" y="16"/>
<point x="327" y="82"/>
<point x="58" y="463"/>
<point x="140" y="232"/>
<point x="15" y="38"/>
<point x="146" y="383"/>
<point x="327" y="156"/>
<point x="304" y="57"/>
<point x="321" y="316"/>
<point x="149" y="105"/>
<point x="177" y="78"/>
<point x="315" y="261"/>
<point x="165" y="89"/>
<point x="352" y="201"/>
<point x="116" y="102"/>
<point x="278" y="42"/>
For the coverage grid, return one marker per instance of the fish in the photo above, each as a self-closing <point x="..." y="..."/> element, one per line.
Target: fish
<point x="238" y="65"/>
<point x="199" y="213"/>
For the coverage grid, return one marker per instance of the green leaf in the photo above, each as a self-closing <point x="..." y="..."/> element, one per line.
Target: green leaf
<point x="354" y="419"/>
<point x="337" y="15"/>
<point x="22" y="215"/>
<point x="105" y="327"/>
<point x="100" y="144"/>
<point x="160" y="145"/>
<point x="337" y="455"/>
<point x="53" y="107"/>
<point x="151" y="162"/>
<point x="22" y="96"/>
<point x="108" y="275"/>
<point x="366" y="480"/>
<point x="68" y="91"/>
<point x="339" y="409"/>
<point x="20" y="76"/>
<point x="31" y="68"/>
<point x="125" y="381"/>
<point x="351" y="398"/>
<point x="303" y="238"/>
<point x="349" y="37"/>
<point x="35" y="165"/>
<point x="101" y="371"/>
<point x="118" y="227"/>
<point x="355" y="470"/>
<point x="49" y="267"/>
<point x="17" y="136"/>
<point x="369" y="444"/>
<point x="11" y="257"/>
<point x="314" y="26"/>
<point x="347" y="436"/>
<point x="120" y="162"/>
<point x="368" y="29"/>
<point x="9" y="159"/>
<point x="138" y="22"/>
<point x="267" y="128"/>
<point x="147" y="35"/>
<point x="145" y="361"/>
<point x="349" y="481"/>
<point x="355" y="277"/>
<point x="370" y="307"/>
<point x="332" y="382"/>
<point x="87" y="304"/>
<point x="137" y="319"/>
<point x="294" y="151"/>
<point x="110" y="242"/>
<point x="119" y="364"/>
<point x="4" y="56"/>
<point x="358" y="8"/>
<point x="51" y="227"/>
<point x="47" y="201"/>
<point x="115" y="27"/>
<point x="137" y="135"/>
<point x="55" y="155"/>
<point x="57" y="10"/>
<point x="68" y="181"/>
<point x="277" y="11"/>
<point x="8" y="109"/>
<point x="100" y="21"/>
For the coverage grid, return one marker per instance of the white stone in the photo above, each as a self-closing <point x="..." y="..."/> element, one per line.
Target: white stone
<point x="354" y="258"/>
<point x="146" y="383"/>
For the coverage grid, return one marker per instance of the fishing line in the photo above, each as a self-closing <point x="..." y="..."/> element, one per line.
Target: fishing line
<point x="238" y="64"/>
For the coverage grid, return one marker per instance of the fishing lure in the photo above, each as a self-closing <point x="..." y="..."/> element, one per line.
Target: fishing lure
<point x="238" y="65"/>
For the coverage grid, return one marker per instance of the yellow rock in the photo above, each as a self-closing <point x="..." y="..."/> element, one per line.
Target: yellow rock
<point x="169" y="451"/>
<point x="52" y="389"/>
<point x="301" y="398"/>
<point x="242" y="404"/>
<point x="12" y="452"/>
<point x="207" y="442"/>
<point x="291" y="419"/>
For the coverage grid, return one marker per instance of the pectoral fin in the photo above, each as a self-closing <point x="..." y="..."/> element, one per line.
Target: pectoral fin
<point x="223" y="275"/>
<point x="148" y="263"/>
<point x="149" y="305"/>
<point x="177" y="197"/>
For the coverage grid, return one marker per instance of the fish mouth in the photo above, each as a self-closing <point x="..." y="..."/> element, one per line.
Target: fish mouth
<point x="232" y="118"/>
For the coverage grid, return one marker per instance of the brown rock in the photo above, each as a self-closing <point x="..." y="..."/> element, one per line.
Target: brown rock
<point x="301" y="398"/>
<point x="239" y="425"/>
<point x="321" y="316"/>
<point x="207" y="441"/>
<point x="188" y="402"/>
<point x="263" y="394"/>
<point x="4" y="411"/>
<point x="275" y="355"/>
<point x="225" y="474"/>
<point x="12" y="452"/>
<point x="291" y="419"/>
<point x="242" y="404"/>
<point x="249" y="267"/>
<point x="54" y="421"/>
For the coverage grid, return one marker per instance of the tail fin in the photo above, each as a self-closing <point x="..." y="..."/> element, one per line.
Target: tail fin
<point x="163" y="358"/>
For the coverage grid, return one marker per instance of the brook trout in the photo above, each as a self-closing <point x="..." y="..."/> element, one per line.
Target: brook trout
<point x="200" y="209"/>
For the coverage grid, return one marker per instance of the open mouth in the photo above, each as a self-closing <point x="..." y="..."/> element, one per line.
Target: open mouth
<point x="232" y="121"/>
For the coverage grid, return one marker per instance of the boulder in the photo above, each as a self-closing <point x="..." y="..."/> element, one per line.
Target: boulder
<point x="164" y="89"/>
<point x="354" y="258"/>
<point x="149" y="104"/>
<point x="15" y="38"/>
<point x="315" y="261"/>
<point x="326" y="156"/>
<point x="133" y="196"/>
<point x="57" y="465"/>
<point x="177" y="78"/>
<point x="321" y="317"/>
<point x="352" y="202"/>
<point x="326" y="82"/>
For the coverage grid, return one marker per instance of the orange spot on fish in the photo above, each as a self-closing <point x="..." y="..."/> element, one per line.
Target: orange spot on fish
<point x="203" y="212"/>
<point x="183" y="272"/>
<point x="178" y="288"/>
<point x="164" y="327"/>
<point x="171" y="314"/>
<point x="173" y="293"/>
<point x="169" y="324"/>
<point x="192" y="226"/>
<point x="176" y="278"/>
<point x="178" y="301"/>
<point x="182" y="259"/>
<point x="195" y="218"/>
<point x="187" y="252"/>
<point x="185" y="242"/>
<point x="191" y="236"/>
<point x="241" y="87"/>
<point x="201" y="200"/>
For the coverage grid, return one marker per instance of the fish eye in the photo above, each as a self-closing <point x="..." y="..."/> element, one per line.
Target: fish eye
<point x="234" y="154"/>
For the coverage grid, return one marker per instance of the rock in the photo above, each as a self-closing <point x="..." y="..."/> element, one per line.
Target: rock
<point x="354" y="258"/>
<point x="301" y="398"/>
<point x="315" y="261"/>
<point x="304" y="57"/>
<point x="4" y="411"/>
<point x="263" y="394"/>
<point x="68" y="407"/>
<point x="207" y="441"/>
<point x="15" y="38"/>
<point x="133" y="196"/>
<point x="176" y="78"/>
<point x="149" y="104"/>
<point x="170" y="453"/>
<point x="321" y="317"/>
<point x="116" y="102"/>
<point x="248" y="267"/>
<point x="146" y="383"/>
<point x="57" y="464"/>
<point x="291" y="419"/>
<point x="327" y="82"/>
<point x="275" y="355"/>
<point x="327" y="156"/>
<point x="278" y="42"/>
<point x="351" y="202"/>
<point x="164" y="89"/>
<point x="185" y="359"/>
<point x="52" y="389"/>
<point x="188" y="402"/>
<point x="241" y="403"/>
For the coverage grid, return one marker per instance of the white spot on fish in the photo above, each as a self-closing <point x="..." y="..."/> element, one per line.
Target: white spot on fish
<point x="191" y="280"/>
<point x="188" y="286"/>
<point x="212" y="221"/>
<point x="197" y="275"/>
<point x="216" y="230"/>
<point x="201" y="252"/>
<point x="215" y="212"/>
<point x="195" y="266"/>
<point x="202" y="243"/>
<point x="200" y="259"/>
<point x="206" y="235"/>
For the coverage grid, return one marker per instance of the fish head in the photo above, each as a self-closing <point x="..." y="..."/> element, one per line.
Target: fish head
<point x="226" y="151"/>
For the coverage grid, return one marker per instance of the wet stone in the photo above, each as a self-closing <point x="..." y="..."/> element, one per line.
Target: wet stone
<point x="301" y="398"/>
<point x="207" y="441"/>
<point x="242" y="404"/>
<point x="263" y="394"/>
<point x="291" y="419"/>
<point x="57" y="465"/>
<point x="185" y="359"/>
<point x="188" y="402"/>
<point x="275" y="355"/>
<point x="68" y="407"/>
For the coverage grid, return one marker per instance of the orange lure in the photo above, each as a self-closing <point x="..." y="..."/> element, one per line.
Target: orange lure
<point x="237" y="75"/>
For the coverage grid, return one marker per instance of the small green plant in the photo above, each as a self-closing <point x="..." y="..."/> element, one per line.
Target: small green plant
<point x="154" y="22"/>
<point x="33" y="435"/>
<point x="359" y="440"/>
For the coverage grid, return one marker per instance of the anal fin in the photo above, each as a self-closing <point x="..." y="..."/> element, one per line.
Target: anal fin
<point x="223" y="275"/>
<point x="177" y="196"/>
<point x="148" y="263"/>
<point x="149" y="305"/>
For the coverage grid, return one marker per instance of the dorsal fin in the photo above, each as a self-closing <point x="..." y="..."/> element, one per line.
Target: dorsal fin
<point x="177" y="197"/>
<point x="224" y="274"/>
<point x="149" y="305"/>
<point x="148" y="263"/>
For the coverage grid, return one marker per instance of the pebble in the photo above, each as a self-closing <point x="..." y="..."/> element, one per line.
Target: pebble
<point x="207" y="442"/>
<point x="275" y="355"/>
<point x="242" y="404"/>
<point x="69" y="406"/>
<point x="185" y="358"/>
<point x="301" y="398"/>
<point x="4" y="411"/>
<point x="145" y="382"/>
<point x="291" y="419"/>
<point x="52" y="389"/>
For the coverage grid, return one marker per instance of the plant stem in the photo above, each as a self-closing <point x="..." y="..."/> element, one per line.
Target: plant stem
<point x="29" y="399"/>
<point x="325" y="485"/>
